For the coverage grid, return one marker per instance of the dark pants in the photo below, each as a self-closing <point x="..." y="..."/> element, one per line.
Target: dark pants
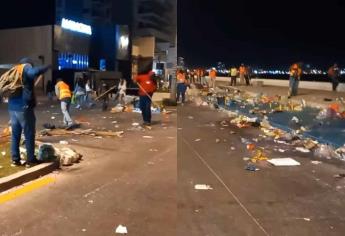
<point x="246" y="77"/>
<point x="181" y="91"/>
<point x="145" y="107"/>
<point x="293" y="86"/>
<point x="23" y="121"/>
<point x="233" y="81"/>
<point x="335" y="83"/>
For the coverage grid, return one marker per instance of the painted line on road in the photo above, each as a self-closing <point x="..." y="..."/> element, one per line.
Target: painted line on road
<point x="11" y="195"/>
<point x="226" y="187"/>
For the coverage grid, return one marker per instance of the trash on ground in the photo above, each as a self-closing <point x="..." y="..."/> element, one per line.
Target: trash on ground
<point x="202" y="187"/>
<point x="197" y="140"/>
<point x="246" y="158"/>
<point x="251" y="167"/>
<point x="232" y="148"/>
<point x="63" y="142"/>
<point x="217" y="140"/>
<point x="53" y="117"/>
<point x="67" y="156"/>
<point x="338" y="176"/>
<point x="135" y="124"/>
<point x="3" y="153"/>
<point x="281" y="150"/>
<point x="325" y="151"/>
<point x="302" y="149"/>
<point x="316" y="162"/>
<point x="190" y="117"/>
<point x="148" y="137"/>
<point x="250" y="146"/>
<point x="46" y="152"/>
<point x="284" y="162"/>
<point x="121" y="229"/>
<point x="259" y="156"/>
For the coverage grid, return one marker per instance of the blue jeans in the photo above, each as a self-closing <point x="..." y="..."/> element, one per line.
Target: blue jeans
<point x="65" y="106"/>
<point x="145" y="107"/>
<point x="181" y="91"/>
<point x="293" y="84"/>
<point x="23" y="121"/>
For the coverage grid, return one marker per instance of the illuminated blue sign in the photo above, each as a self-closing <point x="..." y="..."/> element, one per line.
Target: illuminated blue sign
<point x="75" y="26"/>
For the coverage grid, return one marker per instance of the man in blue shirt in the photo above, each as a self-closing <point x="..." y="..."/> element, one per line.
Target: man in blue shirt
<point x="22" y="115"/>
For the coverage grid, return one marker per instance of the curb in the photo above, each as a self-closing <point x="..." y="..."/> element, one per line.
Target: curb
<point x="27" y="175"/>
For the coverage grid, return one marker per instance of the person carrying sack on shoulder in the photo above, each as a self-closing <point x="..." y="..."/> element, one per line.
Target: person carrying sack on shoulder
<point x="147" y="87"/>
<point x="21" y="107"/>
<point x="64" y="94"/>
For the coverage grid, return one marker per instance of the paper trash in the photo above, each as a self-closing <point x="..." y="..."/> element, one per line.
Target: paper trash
<point x="284" y="162"/>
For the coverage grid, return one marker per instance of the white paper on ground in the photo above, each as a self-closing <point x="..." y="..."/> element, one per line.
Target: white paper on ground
<point x="121" y="229"/>
<point x="149" y="137"/>
<point x="202" y="187"/>
<point x="301" y="149"/>
<point x="284" y="162"/>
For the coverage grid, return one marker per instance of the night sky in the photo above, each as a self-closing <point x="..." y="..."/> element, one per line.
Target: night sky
<point x="268" y="34"/>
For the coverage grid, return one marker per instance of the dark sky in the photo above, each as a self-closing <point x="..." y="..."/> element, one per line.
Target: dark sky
<point x="261" y="33"/>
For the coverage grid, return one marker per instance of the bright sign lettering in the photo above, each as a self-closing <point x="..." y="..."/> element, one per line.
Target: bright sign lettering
<point x="75" y="26"/>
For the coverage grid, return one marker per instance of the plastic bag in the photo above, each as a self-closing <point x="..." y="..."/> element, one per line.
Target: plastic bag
<point x="325" y="151"/>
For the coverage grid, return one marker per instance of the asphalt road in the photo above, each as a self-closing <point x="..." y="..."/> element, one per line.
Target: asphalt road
<point x="302" y="200"/>
<point x="119" y="181"/>
<point x="147" y="185"/>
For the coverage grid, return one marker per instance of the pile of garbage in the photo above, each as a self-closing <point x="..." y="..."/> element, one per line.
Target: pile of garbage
<point x="262" y="106"/>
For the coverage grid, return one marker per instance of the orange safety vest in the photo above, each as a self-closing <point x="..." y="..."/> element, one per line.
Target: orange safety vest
<point x="242" y="70"/>
<point x="181" y="78"/>
<point x="147" y="85"/>
<point x="64" y="90"/>
<point x="213" y="74"/>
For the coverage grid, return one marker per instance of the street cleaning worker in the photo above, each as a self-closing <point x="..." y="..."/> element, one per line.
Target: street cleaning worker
<point x="181" y="82"/>
<point x="64" y="94"/>
<point x="213" y="77"/>
<point x="242" y="71"/>
<point x="233" y="75"/>
<point x="22" y="115"/>
<point x="295" y="76"/>
<point x="147" y="86"/>
<point x="334" y="74"/>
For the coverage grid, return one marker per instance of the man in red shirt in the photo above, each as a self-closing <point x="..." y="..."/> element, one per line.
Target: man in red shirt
<point x="147" y="87"/>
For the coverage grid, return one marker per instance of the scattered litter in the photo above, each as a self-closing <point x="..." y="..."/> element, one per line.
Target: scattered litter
<point x="84" y="230"/>
<point x="114" y="122"/>
<point x="316" y="162"/>
<point x="232" y="132"/>
<point x="90" y="201"/>
<point x="53" y="117"/>
<point x="63" y="142"/>
<point x="307" y="219"/>
<point x="135" y="124"/>
<point x="153" y="150"/>
<point x="179" y="128"/>
<point x="202" y="187"/>
<point x="190" y="117"/>
<point x="251" y="167"/>
<point x="3" y="153"/>
<point x="281" y="150"/>
<point x="284" y="162"/>
<point x="255" y="140"/>
<point x="302" y="149"/>
<point x="338" y="176"/>
<point x="326" y="151"/>
<point x="197" y="140"/>
<point x="74" y="140"/>
<point x="233" y="148"/>
<point x="150" y="163"/>
<point x="246" y="158"/>
<point x="148" y="137"/>
<point x="121" y="229"/>
<point x="217" y="140"/>
<point x="250" y="146"/>
<point x="98" y="137"/>
<point x="259" y="156"/>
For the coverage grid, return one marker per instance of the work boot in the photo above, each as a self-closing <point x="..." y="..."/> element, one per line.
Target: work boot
<point x="32" y="164"/>
<point x="16" y="163"/>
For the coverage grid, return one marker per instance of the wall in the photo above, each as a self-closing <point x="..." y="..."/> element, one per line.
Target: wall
<point x="27" y="42"/>
<point x="285" y="83"/>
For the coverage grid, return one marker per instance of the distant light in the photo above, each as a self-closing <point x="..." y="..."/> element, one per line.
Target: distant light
<point x="75" y="26"/>
<point x="124" y="41"/>
<point x="74" y="62"/>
